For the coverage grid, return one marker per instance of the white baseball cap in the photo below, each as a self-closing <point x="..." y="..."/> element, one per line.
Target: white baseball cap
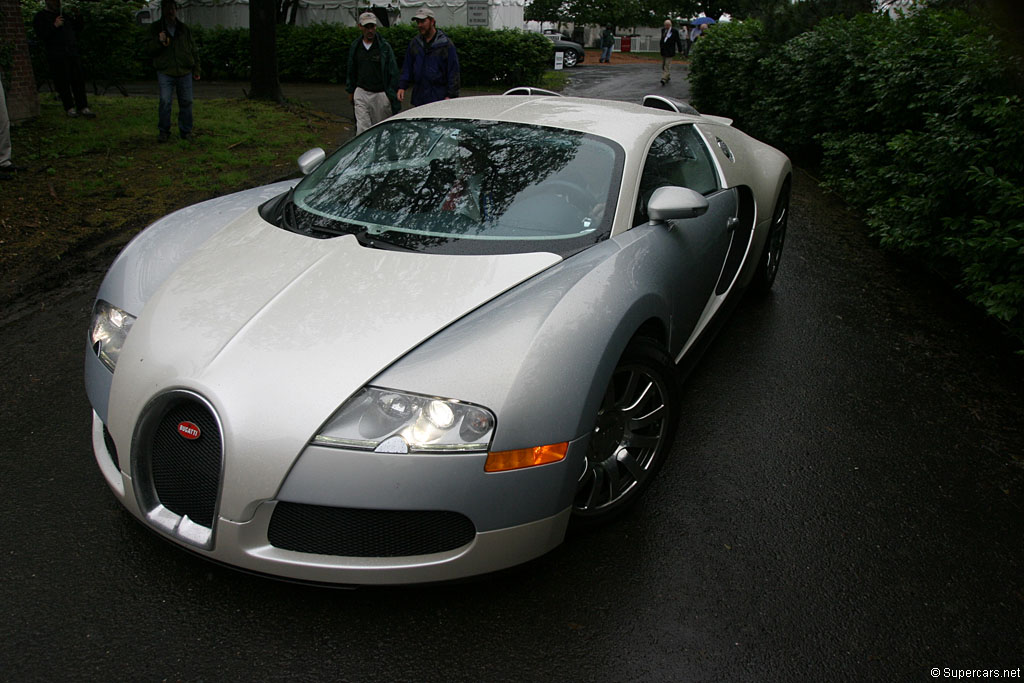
<point x="367" y="18"/>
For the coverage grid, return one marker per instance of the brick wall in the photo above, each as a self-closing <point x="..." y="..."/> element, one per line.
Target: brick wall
<point x="22" y="102"/>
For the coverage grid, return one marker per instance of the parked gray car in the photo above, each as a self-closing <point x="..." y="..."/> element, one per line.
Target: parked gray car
<point x="455" y="338"/>
<point x="572" y="53"/>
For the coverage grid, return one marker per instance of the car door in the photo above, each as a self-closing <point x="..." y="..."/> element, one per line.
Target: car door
<point x="697" y="247"/>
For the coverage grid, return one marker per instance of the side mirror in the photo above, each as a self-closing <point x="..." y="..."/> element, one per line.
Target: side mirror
<point x="311" y="159"/>
<point x="672" y="203"/>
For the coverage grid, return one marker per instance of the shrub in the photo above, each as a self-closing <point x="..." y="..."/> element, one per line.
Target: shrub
<point x="315" y="53"/>
<point x="319" y="52"/>
<point x="724" y="67"/>
<point x="223" y="52"/>
<point x="916" y="121"/>
<point x="113" y="49"/>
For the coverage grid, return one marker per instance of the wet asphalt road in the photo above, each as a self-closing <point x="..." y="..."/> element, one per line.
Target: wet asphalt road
<point x="845" y="501"/>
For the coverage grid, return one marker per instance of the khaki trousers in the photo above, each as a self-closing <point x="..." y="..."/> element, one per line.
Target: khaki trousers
<point x="370" y="108"/>
<point x="666" y="62"/>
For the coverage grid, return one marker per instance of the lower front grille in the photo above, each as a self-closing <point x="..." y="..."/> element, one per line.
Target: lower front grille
<point x="185" y="467"/>
<point x="351" y="532"/>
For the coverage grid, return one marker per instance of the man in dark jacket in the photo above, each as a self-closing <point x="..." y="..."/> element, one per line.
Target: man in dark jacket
<point x="59" y="33"/>
<point x="607" y="43"/>
<point x="671" y="42"/>
<point x="372" y="76"/>
<point x="431" y="65"/>
<point x="176" y="61"/>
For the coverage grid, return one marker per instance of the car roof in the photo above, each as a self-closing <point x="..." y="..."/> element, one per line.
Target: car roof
<point x="631" y="125"/>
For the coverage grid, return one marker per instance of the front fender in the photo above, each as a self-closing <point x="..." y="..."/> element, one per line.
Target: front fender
<point x="541" y="355"/>
<point x="150" y="257"/>
<point x="156" y="252"/>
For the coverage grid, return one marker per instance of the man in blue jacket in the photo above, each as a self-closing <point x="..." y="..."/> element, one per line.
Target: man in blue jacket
<point x="431" y="64"/>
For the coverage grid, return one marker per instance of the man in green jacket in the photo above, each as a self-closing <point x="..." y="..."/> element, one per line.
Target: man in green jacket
<point x="176" y="61"/>
<point x="372" y="76"/>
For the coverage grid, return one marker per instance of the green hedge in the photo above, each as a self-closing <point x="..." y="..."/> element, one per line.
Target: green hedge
<point x="918" y="122"/>
<point x="111" y="46"/>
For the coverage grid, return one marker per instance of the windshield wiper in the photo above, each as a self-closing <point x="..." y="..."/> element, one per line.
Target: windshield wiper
<point x="377" y="242"/>
<point x="304" y="222"/>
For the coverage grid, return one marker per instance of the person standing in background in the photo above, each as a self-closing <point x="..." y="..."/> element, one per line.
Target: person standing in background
<point x="695" y="33"/>
<point x="59" y="34"/>
<point x="670" y="44"/>
<point x="372" y="76"/>
<point x="431" y="64"/>
<point x="7" y="169"/>
<point x="607" y="43"/>
<point x="176" y="61"/>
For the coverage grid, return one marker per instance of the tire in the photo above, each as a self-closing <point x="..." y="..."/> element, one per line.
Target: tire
<point x="771" y="255"/>
<point x="569" y="59"/>
<point x="633" y="434"/>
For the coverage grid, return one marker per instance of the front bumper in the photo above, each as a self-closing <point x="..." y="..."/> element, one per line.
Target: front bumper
<point x="515" y="516"/>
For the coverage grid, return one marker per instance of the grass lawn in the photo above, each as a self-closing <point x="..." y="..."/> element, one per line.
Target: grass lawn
<point x="91" y="184"/>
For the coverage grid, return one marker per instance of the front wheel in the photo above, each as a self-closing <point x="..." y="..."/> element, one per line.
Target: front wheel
<point x="569" y="59"/>
<point x="633" y="434"/>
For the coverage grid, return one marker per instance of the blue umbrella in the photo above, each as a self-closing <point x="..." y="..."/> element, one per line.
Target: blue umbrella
<point x="703" y="20"/>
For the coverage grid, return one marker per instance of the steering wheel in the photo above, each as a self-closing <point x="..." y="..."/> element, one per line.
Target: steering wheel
<point x="577" y="196"/>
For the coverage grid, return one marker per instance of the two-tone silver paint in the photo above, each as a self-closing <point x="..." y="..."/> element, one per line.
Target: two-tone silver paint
<point x="249" y="317"/>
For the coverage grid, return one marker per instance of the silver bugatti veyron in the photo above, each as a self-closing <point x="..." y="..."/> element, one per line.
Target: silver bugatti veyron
<point x="452" y="340"/>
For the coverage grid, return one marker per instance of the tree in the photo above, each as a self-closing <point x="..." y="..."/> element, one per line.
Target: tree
<point x="263" y="50"/>
<point x="551" y="11"/>
<point x="609" y="12"/>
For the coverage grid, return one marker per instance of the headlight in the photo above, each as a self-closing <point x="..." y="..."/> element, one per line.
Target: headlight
<point x="109" y="329"/>
<point x="395" y="422"/>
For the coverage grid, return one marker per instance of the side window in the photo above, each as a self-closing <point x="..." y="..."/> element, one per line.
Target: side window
<point x="677" y="157"/>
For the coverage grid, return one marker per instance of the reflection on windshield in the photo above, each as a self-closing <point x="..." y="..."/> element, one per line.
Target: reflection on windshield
<point x="429" y="184"/>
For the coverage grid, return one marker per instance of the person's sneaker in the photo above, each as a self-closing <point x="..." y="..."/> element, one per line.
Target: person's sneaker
<point x="164" y="136"/>
<point x="88" y="113"/>
<point x="73" y="113"/>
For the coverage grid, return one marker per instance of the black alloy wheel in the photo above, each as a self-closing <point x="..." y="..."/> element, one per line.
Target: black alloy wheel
<point x="633" y="434"/>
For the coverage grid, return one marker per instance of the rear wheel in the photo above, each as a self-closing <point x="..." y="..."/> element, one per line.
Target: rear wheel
<point x="635" y="427"/>
<point x="768" y="265"/>
<point x="569" y="59"/>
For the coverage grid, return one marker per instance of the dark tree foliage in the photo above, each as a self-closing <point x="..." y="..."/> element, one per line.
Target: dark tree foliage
<point x="1006" y="17"/>
<point x="784" y="19"/>
<point x="553" y="11"/>
<point x="617" y="13"/>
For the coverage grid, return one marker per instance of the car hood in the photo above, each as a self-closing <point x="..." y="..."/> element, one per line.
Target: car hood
<point x="277" y="330"/>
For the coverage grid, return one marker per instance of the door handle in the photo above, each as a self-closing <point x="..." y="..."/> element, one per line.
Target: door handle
<point x="732" y="224"/>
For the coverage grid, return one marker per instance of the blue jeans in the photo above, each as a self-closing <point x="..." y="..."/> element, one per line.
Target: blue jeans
<point x="606" y="53"/>
<point x="168" y="86"/>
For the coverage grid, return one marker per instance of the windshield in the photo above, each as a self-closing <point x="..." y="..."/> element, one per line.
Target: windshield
<point x="456" y="186"/>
